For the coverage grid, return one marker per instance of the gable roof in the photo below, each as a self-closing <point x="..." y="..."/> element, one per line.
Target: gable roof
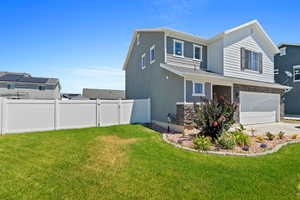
<point x="197" y="39"/>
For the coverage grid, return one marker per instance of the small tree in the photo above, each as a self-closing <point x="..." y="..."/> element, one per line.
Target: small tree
<point x="214" y="117"/>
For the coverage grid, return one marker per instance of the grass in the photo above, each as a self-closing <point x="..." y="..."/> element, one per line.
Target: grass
<point x="132" y="162"/>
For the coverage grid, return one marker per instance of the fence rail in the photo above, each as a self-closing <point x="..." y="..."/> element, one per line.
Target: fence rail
<point x="41" y="115"/>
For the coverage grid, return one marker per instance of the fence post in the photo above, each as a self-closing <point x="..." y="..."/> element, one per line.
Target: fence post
<point x="3" y="115"/>
<point x="149" y="109"/>
<point x="56" y="114"/>
<point x="120" y="110"/>
<point x="98" y="112"/>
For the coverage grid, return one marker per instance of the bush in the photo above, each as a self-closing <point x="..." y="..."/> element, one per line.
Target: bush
<point x="294" y="136"/>
<point x="227" y="141"/>
<point x="260" y="139"/>
<point x="214" y="117"/>
<point x="241" y="138"/>
<point x="281" y="135"/>
<point x="202" y="143"/>
<point x="270" y="136"/>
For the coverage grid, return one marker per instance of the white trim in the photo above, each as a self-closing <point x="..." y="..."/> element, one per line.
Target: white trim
<point x="184" y="90"/>
<point x="276" y="71"/>
<point x="165" y="47"/>
<point x="203" y="89"/>
<point x="282" y="51"/>
<point x="152" y="48"/>
<point x="295" y="67"/>
<point x="182" y="46"/>
<point x="143" y="61"/>
<point x="138" y="39"/>
<point x="201" y="50"/>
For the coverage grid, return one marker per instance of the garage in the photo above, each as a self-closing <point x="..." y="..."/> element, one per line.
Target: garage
<point x="256" y="108"/>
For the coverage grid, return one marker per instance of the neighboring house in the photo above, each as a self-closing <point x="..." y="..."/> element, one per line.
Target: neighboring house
<point x="103" y="93"/>
<point x="175" y="69"/>
<point x="73" y="96"/>
<point x="24" y="86"/>
<point x="287" y="72"/>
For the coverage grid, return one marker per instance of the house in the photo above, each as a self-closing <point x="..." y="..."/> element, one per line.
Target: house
<point x="175" y="69"/>
<point x="103" y="94"/>
<point x="73" y="96"/>
<point x="24" y="86"/>
<point x="287" y="72"/>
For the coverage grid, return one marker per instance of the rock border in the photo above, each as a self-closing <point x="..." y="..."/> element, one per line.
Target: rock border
<point x="275" y="149"/>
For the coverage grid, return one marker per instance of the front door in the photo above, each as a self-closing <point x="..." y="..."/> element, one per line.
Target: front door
<point x="221" y="91"/>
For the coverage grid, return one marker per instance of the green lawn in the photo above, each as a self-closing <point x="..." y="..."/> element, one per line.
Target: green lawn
<point x="133" y="162"/>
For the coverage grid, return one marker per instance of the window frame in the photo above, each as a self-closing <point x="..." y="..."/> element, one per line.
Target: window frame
<point x="138" y="39"/>
<point x="276" y="71"/>
<point x="174" y="48"/>
<point x="253" y="61"/>
<point x="143" y="61"/>
<point x="194" y="52"/>
<point x="296" y="67"/>
<point x="203" y="89"/>
<point x="152" y="48"/>
<point x="282" y="51"/>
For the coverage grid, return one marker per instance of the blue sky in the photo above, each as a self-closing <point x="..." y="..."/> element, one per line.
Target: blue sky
<point x="84" y="43"/>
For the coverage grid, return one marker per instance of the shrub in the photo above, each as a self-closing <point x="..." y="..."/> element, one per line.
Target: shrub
<point x="202" y="143"/>
<point x="214" y="117"/>
<point x="260" y="139"/>
<point x="227" y="141"/>
<point x="281" y="135"/>
<point x="270" y="136"/>
<point x="241" y="138"/>
<point x="294" y="136"/>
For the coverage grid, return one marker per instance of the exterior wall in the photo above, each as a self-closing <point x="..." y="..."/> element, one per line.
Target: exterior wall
<point x="250" y="39"/>
<point x="188" y="60"/>
<point x="161" y="86"/>
<point x="24" y="93"/>
<point x="236" y="94"/>
<point x="215" y="56"/>
<point x="286" y="63"/>
<point x="185" y="114"/>
<point x="189" y="92"/>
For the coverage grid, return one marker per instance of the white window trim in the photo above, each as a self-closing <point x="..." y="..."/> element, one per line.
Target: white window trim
<point x="174" y="52"/>
<point x="194" y="47"/>
<point x="282" y="51"/>
<point x="276" y="71"/>
<point x="152" y="48"/>
<point x="295" y="67"/>
<point x="203" y="89"/>
<point x="142" y="57"/>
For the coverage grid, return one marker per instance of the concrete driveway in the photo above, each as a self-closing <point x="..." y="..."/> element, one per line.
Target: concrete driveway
<point x="274" y="128"/>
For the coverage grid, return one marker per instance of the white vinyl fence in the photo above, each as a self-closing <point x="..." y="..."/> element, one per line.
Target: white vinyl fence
<point x="40" y="115"/>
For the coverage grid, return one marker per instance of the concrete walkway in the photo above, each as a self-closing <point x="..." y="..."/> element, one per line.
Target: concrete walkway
<point x="274" y="128"/>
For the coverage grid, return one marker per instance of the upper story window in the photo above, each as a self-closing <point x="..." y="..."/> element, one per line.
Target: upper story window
<point x="138" y="39"/>
<point x="282" y="51"/>
<point x="178" y="48"/>
<point x="198" y="89"/>
<point x="297" y="73"/>
<point x="42" y="87"/>
<point x="143" y="61"/>
<point x="276" y="71"/>
<point x="197" y="52"/>
<point x="251" y="60"/>
<point x="152" y="54"/>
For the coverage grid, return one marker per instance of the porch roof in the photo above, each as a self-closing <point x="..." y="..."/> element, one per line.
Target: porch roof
<point x="198" y="73"/>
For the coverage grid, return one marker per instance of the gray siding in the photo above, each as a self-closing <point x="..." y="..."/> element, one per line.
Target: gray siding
<point x="189" y="92"/>
<point x="188" y="54"/>
<point x="163" y="87"/>
<point x="286" y="63"/>
<point x="27" y="93"/>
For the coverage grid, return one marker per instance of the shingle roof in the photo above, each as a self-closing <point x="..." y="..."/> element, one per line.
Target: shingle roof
<point x="26" y="78"/>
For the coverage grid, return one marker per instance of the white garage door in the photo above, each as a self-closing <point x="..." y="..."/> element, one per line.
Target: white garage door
<point x="258" y="108"/>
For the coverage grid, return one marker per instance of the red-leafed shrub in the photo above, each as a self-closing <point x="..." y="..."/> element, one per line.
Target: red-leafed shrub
<point x="214" y="117"/>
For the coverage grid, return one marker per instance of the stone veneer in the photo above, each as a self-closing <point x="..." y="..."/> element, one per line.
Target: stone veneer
<point x="185" y="112"/>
